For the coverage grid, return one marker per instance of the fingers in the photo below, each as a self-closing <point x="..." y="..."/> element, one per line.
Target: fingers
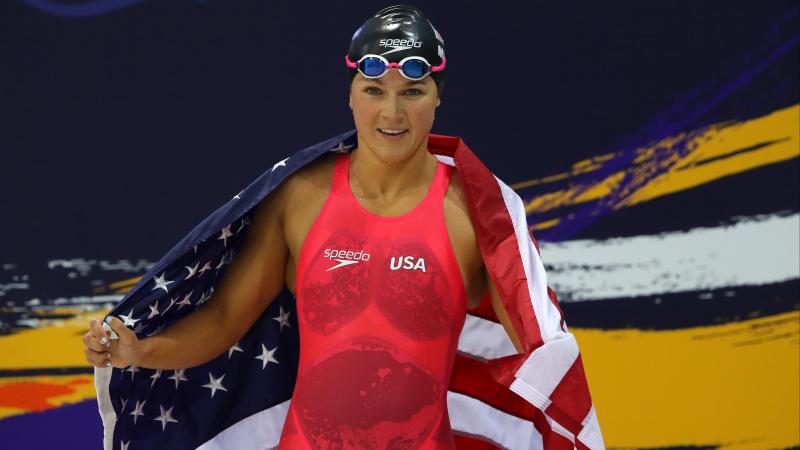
<point x="98" y="359"/>
<point x="99" y="332"/>
<point x="91" y="341"/>
<point x="109" y="344"/>
<point x="125" y="335"/>
<point x="94" y="340"/>
<point x="97" y="345"/>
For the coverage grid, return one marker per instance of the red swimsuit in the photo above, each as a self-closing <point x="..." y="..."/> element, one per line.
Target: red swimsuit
<point x="381" y="303"/>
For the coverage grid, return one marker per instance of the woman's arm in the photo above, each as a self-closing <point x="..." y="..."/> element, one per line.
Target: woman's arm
<point x="254" y="278"/>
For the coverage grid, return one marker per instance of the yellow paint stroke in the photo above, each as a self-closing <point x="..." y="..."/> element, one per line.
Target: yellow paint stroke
<point x="546" y="224"/>
<point x="736" y="385"/>
<point x="57" y="345"/>
<point x="124" y="283"/>
<point x="585" y="166"/>
<point x="685" y="172"/>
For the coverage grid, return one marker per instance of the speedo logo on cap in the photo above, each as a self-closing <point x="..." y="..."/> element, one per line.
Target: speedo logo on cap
<point x="345" y="257"/>
<point x="399" y="44"/>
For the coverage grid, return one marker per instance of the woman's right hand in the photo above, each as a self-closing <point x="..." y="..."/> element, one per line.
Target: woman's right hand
<point x="102" y="351"/>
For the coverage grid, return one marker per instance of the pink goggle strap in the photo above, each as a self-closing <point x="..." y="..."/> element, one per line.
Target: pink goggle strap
<point x="438" y="68"/>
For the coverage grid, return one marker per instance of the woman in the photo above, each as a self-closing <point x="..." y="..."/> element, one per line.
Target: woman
<point x="379" y="249"/>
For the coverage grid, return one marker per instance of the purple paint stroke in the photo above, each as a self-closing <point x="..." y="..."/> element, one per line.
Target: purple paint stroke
<point x="67" y="426"/>
<point x="685" y="113"/>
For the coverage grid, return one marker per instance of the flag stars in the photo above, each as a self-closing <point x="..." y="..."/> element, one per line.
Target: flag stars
<point x="192" y="270"/>
<point x="133" y="370"/>
<point x="206" y="266"/>
<point x="283" y="318"/>
<point x="233" y="349"/>
<point x="153" y="310"/>
<point x="205" y="297"/>
<point x="165" y="417"/>
<point x="138" y="410"/>
<point x="161" y="282"/>
<point x="226" y="233"/>
<point x="281" y="163"/>
<point x="128" y="320"/>
<point x="215" y="384"/>
<point x="124" y="445"/>
<point x="185" y="301"/>
<point x="266" y="356"/>
<point x="245" y="222"/>
<point x="155" y="376"/>
<point x="341" y="148"/>
<point x="171" y="302"/>
<point x="227" y="257"/>
<point x="178" y="376"/>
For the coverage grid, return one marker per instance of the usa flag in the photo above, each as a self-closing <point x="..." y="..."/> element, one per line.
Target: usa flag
<point x="497" y="397"/>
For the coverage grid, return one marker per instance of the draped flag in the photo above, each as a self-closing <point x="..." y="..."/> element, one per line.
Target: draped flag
<point x="497" y="397"/>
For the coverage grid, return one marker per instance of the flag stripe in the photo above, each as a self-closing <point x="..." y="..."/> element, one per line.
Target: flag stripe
<point x="102" y="377"/>
<point x="556" y="365"/>
<point x="262" y="429"/>
<point x="534" y="312"/>
<point x="484" y="339"/>
<point x="470" y="415"/>
<point x="464" y="442"/>
<point x="499" y="248"/>
<point x="571" y="399"/>
<point x="472" y="377"/>
<point x="546" y="315"/>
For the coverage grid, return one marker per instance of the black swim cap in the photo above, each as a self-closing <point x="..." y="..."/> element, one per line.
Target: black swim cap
<point x="396" y="32"/>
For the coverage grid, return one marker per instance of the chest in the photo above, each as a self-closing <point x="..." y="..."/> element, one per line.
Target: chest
<point x="402" y="256"/>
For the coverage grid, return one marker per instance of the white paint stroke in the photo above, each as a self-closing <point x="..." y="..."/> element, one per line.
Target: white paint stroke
<point x="753" y="251"/>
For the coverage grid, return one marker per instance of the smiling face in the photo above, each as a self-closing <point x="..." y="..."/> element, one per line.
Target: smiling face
<point x="393" y="115"/>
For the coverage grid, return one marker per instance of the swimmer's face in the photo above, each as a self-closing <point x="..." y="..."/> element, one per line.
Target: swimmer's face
<point x="389" y="104"/>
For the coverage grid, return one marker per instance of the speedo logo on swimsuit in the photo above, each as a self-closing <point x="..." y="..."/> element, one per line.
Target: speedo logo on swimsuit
<point x="399" y="44"/>
<point x="344" y="257"/>
<point x="407" y="263"/>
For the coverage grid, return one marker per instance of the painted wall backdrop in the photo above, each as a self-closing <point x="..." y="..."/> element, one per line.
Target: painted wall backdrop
<point x="655" y="144"/>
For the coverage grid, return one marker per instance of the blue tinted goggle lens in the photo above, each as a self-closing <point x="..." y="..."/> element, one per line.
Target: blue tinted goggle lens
<point x="414" y="68"/>
<point x="372" y="67"/>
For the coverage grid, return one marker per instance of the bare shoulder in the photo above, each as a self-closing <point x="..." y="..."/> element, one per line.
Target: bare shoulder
<point x="300" y="186"/>
<point x="280" y="211"/>
<point x="305" y="193"/>
<point x="310" y="180"/>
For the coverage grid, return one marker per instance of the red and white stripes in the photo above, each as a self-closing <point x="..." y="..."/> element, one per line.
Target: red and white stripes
<point x="550" y="374"/>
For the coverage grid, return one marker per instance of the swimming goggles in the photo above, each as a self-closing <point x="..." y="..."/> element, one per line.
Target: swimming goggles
<point x="376" y="66"/>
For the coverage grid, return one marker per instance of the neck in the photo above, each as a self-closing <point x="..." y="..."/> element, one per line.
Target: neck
<point x="380" y="179"/>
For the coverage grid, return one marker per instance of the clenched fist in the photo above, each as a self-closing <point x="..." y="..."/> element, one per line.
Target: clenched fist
<point x="102" y="351"/>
